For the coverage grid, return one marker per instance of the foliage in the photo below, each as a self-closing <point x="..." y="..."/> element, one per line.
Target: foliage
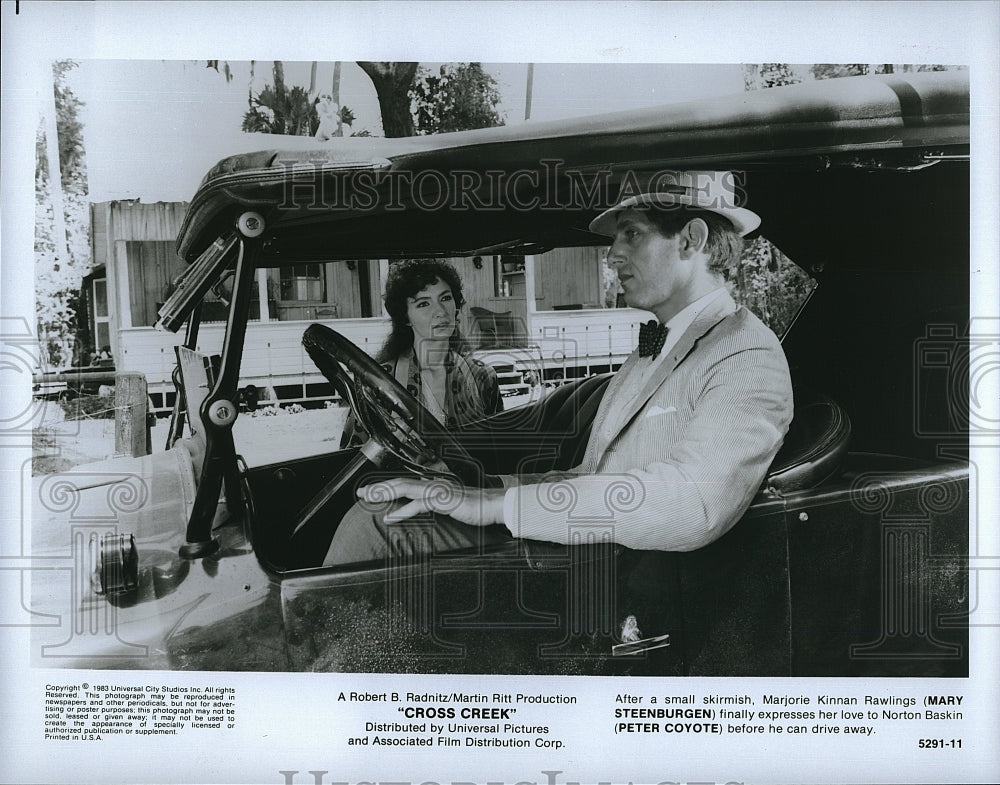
<point x="837" y="70"/>
<point x="768" y="283"/>
<point x="763" y="279"/>
<point x="460" y="97"/>
<point x="70" y="129"/>
<point x="278" y="109"/>
<point x="346" y="116"/>
<point x="60" y="261"/>
<point x="759" y="76"/>
<point x="268" y="112"/>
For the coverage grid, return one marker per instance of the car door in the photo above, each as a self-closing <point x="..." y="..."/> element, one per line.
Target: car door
<point x="518" y="609"/>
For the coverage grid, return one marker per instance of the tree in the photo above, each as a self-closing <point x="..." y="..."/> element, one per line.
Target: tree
<point x="278" y="109"/>
<point x="392" y="83"/>
<point x="760" y="76"/>
<point x="769" y="283"/>
<point x="838" y="70"/>
<point x="461" y="97"/>
<point x="62" y="238"/>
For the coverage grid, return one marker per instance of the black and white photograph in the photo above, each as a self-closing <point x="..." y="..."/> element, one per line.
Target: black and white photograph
<point x="536" y="406"/>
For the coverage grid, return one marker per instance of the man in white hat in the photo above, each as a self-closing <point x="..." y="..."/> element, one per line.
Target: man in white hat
<point x="688" y="426"/>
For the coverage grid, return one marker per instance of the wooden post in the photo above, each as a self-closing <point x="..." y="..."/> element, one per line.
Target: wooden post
<point x="131" y="399"/>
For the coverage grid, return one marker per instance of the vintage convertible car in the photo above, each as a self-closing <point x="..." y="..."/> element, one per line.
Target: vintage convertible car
<point x="849" y="562"/>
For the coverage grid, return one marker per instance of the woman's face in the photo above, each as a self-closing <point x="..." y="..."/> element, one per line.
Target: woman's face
<point x="432" y="313"/>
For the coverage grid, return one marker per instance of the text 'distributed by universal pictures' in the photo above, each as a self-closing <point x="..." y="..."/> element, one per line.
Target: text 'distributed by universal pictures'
<point x="95" y="712"/>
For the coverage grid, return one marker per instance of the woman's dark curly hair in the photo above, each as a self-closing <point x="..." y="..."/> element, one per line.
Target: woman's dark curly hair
<point x="406" y="279"/>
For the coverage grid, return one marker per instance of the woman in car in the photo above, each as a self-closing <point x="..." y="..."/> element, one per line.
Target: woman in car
<point x="425" y="351"/>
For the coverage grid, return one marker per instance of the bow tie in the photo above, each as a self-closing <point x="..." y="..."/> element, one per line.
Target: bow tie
<point x="651" y="338"/>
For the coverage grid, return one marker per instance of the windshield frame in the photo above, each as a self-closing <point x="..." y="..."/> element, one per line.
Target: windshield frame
<point x="195" y="281"/>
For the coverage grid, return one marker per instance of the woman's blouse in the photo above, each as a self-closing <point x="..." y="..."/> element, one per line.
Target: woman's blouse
<point x="471" y="388"/>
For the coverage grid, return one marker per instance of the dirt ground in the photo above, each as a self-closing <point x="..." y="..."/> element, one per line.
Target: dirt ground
<point x="59" y="443"/>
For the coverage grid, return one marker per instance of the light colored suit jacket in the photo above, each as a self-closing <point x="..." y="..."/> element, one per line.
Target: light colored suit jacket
<point x="693" y="450"/>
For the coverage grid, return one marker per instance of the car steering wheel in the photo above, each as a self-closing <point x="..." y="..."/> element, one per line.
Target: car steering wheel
<point x="394" y="419"/>
<point x="400" y="431"/>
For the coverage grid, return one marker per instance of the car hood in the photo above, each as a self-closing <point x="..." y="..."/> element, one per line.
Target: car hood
<point x="175" y="601"/>
<point x="150" y="496"/>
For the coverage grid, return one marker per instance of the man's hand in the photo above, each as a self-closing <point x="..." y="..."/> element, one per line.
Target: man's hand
<point x="474" y="506"/>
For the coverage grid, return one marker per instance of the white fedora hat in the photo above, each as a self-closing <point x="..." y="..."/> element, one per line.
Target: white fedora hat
<point x="705" y="190"/>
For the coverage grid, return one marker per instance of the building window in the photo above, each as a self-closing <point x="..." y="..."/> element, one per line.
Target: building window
<point x="102" y="318"/>
<point x="303" y="282"/>
<point x="508" y="276"/>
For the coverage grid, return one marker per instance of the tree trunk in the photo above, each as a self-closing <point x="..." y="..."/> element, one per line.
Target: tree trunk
<point x="527" y="91"/>
<point x="392" y="82"/>
<point x="335" y="86"/>
<point x="335" y="95"/>
<point x="281" y="117"/>
<point x="59" y="237"/>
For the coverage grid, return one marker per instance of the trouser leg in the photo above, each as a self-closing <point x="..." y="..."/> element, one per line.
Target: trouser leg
<point x="363" y="535"/>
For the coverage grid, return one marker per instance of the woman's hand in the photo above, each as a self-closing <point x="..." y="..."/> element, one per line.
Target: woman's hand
<point x="473" y="506"/>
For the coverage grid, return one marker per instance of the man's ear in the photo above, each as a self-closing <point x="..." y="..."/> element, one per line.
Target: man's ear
<point x="694" y="236"/>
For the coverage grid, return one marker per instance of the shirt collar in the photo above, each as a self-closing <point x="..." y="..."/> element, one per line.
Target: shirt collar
<point x="684" y="318"/>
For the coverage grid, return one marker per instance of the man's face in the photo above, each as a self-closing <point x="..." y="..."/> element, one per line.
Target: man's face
<point x="655" y="275"/>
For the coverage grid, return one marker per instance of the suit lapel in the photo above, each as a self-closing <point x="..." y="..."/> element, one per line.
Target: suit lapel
<point x="596" y="445"/>
<point x="705" y="321"/>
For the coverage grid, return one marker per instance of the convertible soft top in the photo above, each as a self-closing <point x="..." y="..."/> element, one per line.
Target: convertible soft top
<point x="476" y="190"/>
